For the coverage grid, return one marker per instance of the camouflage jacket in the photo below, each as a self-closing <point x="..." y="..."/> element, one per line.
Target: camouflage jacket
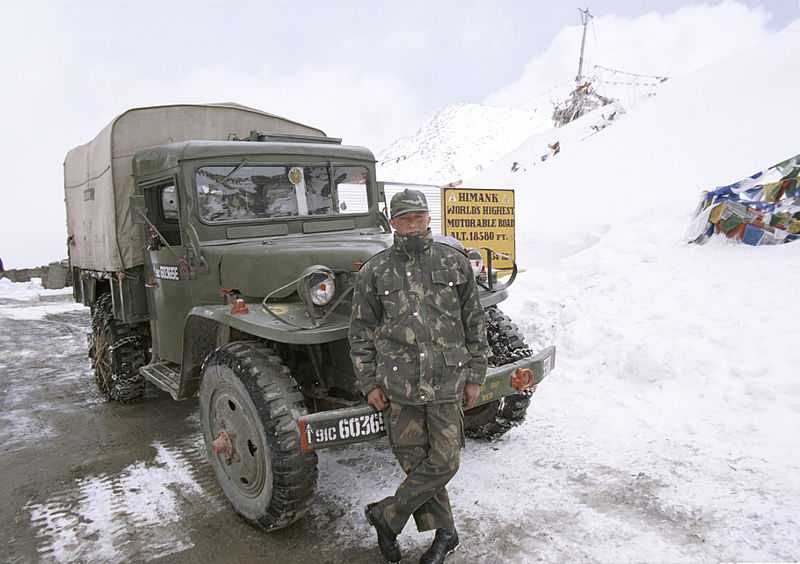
<point x="417" y="328"/>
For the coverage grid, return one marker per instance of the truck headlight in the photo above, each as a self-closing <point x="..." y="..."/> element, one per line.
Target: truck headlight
<point x="322" y="287"/>
<point x="316" y="285"/>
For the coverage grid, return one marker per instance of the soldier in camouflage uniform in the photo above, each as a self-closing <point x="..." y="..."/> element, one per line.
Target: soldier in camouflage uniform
<point x="418" y="345"/>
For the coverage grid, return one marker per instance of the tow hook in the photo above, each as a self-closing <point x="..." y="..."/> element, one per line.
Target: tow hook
<point x="522" y="379"/>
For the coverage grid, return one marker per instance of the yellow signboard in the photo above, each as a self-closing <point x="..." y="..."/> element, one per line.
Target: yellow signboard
<point x="481" y="218"/>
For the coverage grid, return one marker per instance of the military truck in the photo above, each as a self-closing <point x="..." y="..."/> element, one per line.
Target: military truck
<point x="217" y="246"/>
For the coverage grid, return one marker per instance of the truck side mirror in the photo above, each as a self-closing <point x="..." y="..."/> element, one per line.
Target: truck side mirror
<point x="383" y="212"/>
<point x="382" y="193"/>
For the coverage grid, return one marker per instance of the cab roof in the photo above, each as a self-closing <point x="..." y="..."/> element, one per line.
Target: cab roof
<point x="163" y="157"/>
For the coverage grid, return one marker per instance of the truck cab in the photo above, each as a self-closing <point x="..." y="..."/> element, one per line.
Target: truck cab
<point x="241" y="220"/>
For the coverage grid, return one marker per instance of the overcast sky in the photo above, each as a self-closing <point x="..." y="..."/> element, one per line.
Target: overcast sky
<point x="369" y="72"/>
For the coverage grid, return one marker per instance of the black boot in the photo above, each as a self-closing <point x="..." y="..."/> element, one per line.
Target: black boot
<point x="444" y="543"/>
<point x="387" y="539"/>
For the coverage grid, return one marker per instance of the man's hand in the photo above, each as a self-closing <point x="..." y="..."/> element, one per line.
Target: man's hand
<point x="376" y="399"/>
<point x="471" y="393"/>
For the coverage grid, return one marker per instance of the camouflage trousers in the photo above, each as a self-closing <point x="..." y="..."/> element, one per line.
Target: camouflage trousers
<point x="426" y="439"/>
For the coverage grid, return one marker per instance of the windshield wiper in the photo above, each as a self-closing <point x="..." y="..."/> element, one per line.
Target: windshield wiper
<point x="231" y="173"/>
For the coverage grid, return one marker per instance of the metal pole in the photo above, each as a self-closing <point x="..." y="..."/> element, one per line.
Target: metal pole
<point x="585" y="15"/>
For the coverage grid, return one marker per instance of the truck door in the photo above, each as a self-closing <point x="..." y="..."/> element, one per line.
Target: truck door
<point x="168" y="292"/>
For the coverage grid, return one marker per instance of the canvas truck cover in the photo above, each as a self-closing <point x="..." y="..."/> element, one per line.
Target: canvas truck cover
<point x="98" y="180"/>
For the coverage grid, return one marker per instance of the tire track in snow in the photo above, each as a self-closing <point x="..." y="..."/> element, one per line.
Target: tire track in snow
<point x="140" y="513"/>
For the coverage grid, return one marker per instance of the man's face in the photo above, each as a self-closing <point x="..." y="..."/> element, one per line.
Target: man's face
<point x="411" y="223"/>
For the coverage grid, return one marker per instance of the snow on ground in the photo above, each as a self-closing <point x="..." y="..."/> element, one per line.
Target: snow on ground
<point x="94" y="520"/>
<point x="29" y="300"/>
<point x="28" y="290"/>
<point x="22" y="370"/>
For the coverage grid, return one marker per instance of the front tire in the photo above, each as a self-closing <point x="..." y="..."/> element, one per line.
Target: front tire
<point x="249" y="408"/>
<point x="493" y="420"/>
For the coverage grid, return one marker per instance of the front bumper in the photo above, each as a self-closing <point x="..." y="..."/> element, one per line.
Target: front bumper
<point x="358" y="424"/>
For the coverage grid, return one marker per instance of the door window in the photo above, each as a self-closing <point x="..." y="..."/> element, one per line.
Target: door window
<point x="163" y="212"/>
<point x="169" y="203"/>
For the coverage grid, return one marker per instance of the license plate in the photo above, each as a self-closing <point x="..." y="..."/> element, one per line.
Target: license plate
<point x="346" y="429"/>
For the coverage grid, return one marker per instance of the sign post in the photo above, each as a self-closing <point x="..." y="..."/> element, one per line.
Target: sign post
<point x="481" y="218"/>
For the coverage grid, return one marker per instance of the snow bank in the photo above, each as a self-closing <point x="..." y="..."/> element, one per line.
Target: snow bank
<point x="29" y="300"/>
<point x="667" y="431"/>
<point x="28" y="290"/>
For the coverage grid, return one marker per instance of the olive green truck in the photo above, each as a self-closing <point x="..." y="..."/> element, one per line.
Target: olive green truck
<point x="217" y="247"/>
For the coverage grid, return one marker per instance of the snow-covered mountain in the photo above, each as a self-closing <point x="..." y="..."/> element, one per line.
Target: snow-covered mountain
<point x="458" y="142"/>
<point x="464" y="139"/>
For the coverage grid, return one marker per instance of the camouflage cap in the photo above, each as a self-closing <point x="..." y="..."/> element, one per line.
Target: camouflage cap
<point x="408" y="201"/>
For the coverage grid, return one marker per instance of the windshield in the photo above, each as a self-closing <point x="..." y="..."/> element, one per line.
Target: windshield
<point x="243" y="192"/>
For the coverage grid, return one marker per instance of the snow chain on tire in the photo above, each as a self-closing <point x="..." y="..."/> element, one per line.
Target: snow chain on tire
<point x="117" y="351"/>
<point x="507" y="345"/>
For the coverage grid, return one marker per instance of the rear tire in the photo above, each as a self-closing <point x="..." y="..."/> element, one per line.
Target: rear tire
<point x="507" y="343"/>
<point x="247" y="392"/>
<point x="117" y="351"/>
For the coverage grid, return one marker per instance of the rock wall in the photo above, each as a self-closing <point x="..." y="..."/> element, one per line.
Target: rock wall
<point x="54" y="276"/>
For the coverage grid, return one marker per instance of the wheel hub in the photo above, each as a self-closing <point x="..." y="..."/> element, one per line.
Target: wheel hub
<point x="237" y="442"/>
<point x="222" y="445"/>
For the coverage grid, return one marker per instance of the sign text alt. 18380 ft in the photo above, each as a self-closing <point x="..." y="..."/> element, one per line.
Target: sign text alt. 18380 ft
<point x="481" y="218"/>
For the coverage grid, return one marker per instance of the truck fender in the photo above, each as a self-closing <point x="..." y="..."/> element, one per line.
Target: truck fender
<point x="201" y="336"/>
